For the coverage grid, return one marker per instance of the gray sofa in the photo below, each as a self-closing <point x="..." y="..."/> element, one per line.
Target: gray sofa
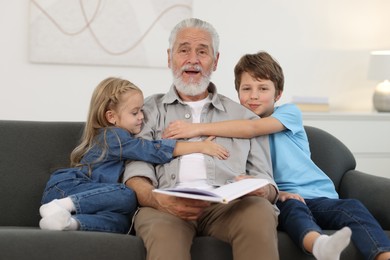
<point x="30" y="151"/>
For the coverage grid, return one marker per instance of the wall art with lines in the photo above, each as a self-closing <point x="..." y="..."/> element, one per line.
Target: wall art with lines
<point x="104" y="32"/>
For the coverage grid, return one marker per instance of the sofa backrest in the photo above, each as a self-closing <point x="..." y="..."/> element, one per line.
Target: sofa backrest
<point x="330" y="154"/>
<point x="29" y="152"/>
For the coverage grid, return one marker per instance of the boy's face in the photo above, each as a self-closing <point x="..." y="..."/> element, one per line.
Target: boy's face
<point x="257" y="95"/>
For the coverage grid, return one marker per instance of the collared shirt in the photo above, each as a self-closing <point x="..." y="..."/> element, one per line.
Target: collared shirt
<point x="247" y="156"/>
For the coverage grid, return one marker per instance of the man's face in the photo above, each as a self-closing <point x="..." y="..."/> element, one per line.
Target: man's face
<point x="192" y="61"/>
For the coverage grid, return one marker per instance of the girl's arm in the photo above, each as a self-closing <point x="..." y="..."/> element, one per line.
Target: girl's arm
<point x="230" y="128"/>
<point x="207" y="147"/>
<point x="122" y="145"/>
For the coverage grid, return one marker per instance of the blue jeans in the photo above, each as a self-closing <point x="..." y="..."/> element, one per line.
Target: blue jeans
<point x="297" y="219"/>
<point x="106" y="207"/>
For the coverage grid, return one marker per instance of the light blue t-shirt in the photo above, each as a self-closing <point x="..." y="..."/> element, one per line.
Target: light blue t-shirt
<point x="294" y="171"/>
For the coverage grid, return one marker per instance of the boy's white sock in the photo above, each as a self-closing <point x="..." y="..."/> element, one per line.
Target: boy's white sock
<point x="330" y="247"/>
<point x="60" y="220"/>
<point x="55" y="206"/>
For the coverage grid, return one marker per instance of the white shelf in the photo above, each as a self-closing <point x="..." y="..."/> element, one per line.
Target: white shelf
<point x="367" y="135"/>
<point x="365" y="116"/>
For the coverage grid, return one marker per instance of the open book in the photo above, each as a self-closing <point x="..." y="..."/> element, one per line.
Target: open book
<point x="223" y="194"/>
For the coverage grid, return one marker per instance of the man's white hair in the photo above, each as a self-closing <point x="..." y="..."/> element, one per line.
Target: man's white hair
<point x="196" y="23"/>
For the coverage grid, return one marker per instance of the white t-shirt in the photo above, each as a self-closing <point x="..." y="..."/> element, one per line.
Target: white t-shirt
<point x="192" y="166"/>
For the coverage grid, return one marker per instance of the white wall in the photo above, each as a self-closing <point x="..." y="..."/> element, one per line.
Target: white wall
<point x="323" y="47"/>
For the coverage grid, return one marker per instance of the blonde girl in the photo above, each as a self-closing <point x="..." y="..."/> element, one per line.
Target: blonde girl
<point x="89" y="196"/>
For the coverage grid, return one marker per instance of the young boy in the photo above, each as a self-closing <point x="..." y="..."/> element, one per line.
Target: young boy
<point x="308" y="200"/>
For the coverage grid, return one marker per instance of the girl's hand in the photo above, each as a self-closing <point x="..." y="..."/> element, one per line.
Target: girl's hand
<point x="213" y="149"/>
<point x="180" y="129"/>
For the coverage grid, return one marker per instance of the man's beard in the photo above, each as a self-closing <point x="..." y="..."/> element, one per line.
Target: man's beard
<point x="191" y="88"/>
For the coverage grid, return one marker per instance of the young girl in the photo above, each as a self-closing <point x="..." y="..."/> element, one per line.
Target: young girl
<point x="88" y="195"/>
<point x="308" y="201"/>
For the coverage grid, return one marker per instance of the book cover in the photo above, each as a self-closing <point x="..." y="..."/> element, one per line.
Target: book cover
<point x="311" y="104"/>
<point x="310" y="100"/>
<point x="222" y="194"/>
<point x="307" y="107"/>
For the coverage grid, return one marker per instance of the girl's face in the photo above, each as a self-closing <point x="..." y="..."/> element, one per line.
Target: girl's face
<point x="257" y="95"/>
<point x="128" y="114"/>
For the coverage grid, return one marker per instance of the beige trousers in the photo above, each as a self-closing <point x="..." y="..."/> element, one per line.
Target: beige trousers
<point x="248" y="225"/>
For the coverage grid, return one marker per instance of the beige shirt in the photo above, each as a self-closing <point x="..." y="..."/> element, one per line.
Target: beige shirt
<point x="247" y="156"/>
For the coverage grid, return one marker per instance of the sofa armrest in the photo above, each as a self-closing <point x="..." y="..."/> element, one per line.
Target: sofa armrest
<point x="373" y="191"/>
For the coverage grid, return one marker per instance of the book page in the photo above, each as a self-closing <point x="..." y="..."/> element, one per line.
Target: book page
<point x="237" y="189"/>
<point x="196" y="194"/>
<point x="222" y="194"/>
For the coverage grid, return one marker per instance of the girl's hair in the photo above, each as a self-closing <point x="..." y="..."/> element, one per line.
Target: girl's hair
<point x="260" y="66"/>
<point x="199" y="24"/>
<point x="106" y="96"/>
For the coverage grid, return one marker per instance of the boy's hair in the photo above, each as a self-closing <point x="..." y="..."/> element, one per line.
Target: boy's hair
<point x="260" y="65"/>
<point x="199" y="24"/>
<point x="106" y="96"/>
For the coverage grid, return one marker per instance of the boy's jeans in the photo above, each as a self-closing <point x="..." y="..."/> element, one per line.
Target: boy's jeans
<point x="297" y="219"/>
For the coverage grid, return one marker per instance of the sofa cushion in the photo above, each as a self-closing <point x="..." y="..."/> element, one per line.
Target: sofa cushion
<point x="29" y="152"/>
<point x="32" y="243"/>
<point x="330" y="154"/>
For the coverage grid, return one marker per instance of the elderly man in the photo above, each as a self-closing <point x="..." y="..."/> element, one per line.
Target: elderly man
<point x="168" y="224"/>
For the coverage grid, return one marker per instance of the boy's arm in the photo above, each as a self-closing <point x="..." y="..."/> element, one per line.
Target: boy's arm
<point x="230" y="128"/>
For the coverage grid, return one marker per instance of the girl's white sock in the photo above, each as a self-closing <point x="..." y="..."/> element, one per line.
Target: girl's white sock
<point x="56" y="215"/>
<point x="61" y="220"/>
<point x="57" y="205"/>
<point x="330" y="247"/>
<point x="67" y="203"/>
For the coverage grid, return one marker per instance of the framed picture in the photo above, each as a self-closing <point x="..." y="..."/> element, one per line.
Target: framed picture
<point x="103" y="32"/>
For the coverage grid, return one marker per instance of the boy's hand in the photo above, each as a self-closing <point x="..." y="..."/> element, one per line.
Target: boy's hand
<point x="180" y="129"/>
<point x="213" y="149"/>
<point x="283" y="196"/>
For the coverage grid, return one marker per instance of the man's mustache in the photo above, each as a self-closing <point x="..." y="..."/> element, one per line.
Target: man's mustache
<point x="195" y="68"/>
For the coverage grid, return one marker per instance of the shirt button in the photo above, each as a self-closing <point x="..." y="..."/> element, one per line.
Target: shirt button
<point x="187" y="116"/>
<point x="173" y="176"/>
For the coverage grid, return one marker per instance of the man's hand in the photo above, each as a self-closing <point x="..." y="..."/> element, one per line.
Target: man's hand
<point x="268" y="191"/>
<point x="186" y="209"/>
<point x="180" y="129"/>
